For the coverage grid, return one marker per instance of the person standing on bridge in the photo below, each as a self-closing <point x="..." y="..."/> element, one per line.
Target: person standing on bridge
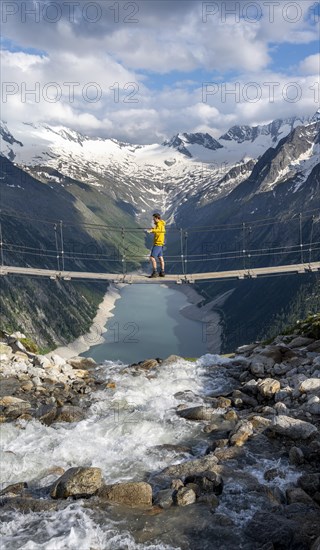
<point x="159" y="232"/>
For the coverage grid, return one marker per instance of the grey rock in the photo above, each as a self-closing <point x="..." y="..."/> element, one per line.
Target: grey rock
<point x="79" y="482"/>
<point x="240" y="398"/>
<point x="197" y="413"/>
<point x="257" y="368"/>
<point x="147" y="365"/>
<point x="14" y="489"/>
<point x="268" y="387"/>
<point x="283" y="395"/>
<point x="300" y="341"/>
<point x="176" y="484"/>
<point x="82" y="363"/>
<point x="229" y="453"/>
<point x="297" y="494"/>
<point x="185" y="496"/>
<point x="266" y="527"/>
<point x="26" y="505"/>
<point x="281" y="408"/>
<point x="250" y="387"/>
<point x="164" y="499"/>
<point x="274" y="353"/>
<point x="314" y="346"/>
<point x="42" y="361"/>
<point x="208" y="482"/>
<point x="135" y="494"/>
<point x="310" y="483"/>
<point x="292" y="427"/>
<point x="279" y="370"/>
<point x="46" y="414"/>
<point x="314" y="408"/>
<point x="5" y="350"/>
<point x="243" y="431"/>
<point x="296" y="456"/>
<point x="246" y="348"/>
<point x="69" y="413"/>
<point x="260" y="423"/>
<point x="310" y="385"/>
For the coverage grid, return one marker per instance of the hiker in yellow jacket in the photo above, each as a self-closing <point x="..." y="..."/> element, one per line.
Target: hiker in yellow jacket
<point x="159" y="232"/>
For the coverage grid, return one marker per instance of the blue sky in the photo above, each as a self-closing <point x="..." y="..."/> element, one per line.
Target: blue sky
<point x="148" y="73"/>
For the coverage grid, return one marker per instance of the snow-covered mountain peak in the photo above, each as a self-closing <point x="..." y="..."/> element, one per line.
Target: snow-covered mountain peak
<point x="163" y="176"/>
<point x="183" y="142"/>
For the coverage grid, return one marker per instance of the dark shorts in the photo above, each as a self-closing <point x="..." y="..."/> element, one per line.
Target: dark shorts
<point x="156" y="251"/>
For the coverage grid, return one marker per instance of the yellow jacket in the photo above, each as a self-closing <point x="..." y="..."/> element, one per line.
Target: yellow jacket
<point x="159" y="233"/>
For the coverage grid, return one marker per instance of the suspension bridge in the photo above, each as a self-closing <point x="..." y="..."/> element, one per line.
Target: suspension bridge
<point x="304" y="254"/>
<point x="129" y="278"/>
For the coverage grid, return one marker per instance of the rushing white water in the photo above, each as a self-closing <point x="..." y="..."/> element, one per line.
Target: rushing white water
<point x="118" y="435"/>
<point x="122" y="424"/>
<point x="122" y="434"/>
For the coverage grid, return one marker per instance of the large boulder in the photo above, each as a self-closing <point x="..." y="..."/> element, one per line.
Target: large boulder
<point x="14" y="489"/>
<point x="296" y="494"/>
<point x="197" y="413"/>
<point x="137" y="494"/>
<point x="164" y="498"/>
<point x="5" y="350"/>
<point x="243" y="431"/>
<point x="300" y="342"/>
<point x="292" y="427"/>
<point x="42" y="361"/>
<point x="185" y="496"/>
<point x="310" y="483"/>
<point x="190" y="467"/>
<point x="77" y="482"/>
<point x="310" y="385"/>
<point x="69" y="413"/>
<point x="46" y="414"/>
<point x="208" y="482"/>
<point x="268" y="387"/>
<point x="82" y="363"/>
<point x="146" y="365"/>
<point x="13" y="407"/>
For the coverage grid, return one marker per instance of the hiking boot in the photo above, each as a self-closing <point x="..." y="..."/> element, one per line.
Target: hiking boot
<point x="153" y="274"/>
<point x="162" y="274"/>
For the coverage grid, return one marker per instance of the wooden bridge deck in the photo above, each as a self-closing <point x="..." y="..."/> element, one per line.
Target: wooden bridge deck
<point x="177" y="279"/>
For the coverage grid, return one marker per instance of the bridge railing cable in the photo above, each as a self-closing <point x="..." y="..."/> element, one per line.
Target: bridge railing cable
<point x="306" y="246"/>
<point x="261" y="222"/>
<point x="1" y="245"/>
<point x="57" y="246"/>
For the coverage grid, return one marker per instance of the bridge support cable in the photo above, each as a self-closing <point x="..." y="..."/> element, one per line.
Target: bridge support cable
<point x="124" y="263"/>
<point x="244" y="244"/>
<point x="57" y="245"/>
<point x="181" y="252"/>
<point x="301" y="237"/>
<point x="1" y="245"/>
<point x="186" y="251"/>
<point x="248" y="246"/>
<point x="62" y="244"/>
<point x="311" y="239"/>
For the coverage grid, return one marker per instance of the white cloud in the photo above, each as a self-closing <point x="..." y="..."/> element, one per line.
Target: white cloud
<point x="310" y="65"/>
<point x="170" y="36"/>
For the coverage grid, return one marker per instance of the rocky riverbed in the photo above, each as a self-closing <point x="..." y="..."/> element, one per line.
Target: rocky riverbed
<point x="223" y="453"/>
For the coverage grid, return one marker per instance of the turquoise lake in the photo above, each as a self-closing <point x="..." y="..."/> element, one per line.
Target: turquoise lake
<point x="148" y="323"/>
